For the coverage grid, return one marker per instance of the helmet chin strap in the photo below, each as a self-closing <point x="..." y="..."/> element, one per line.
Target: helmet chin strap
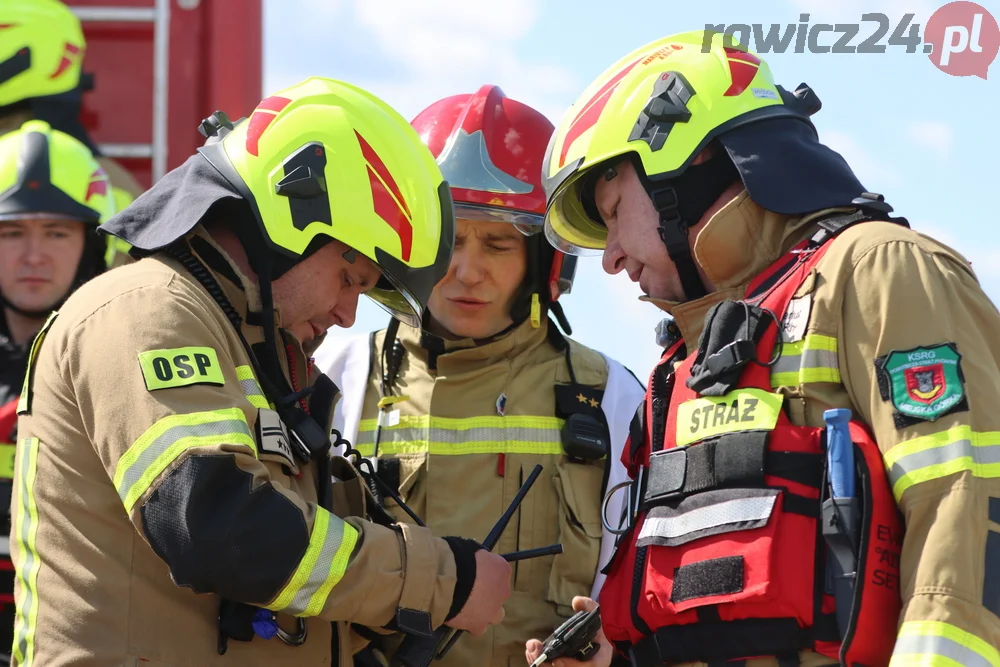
<point x="534" y="298"/>
<point x="30" y="314"/>
<point x="680" y="203"/>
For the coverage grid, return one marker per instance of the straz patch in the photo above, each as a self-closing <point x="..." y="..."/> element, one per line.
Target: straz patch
<point x="180" y="367"/>
<point x="273" y="440"/>
<point x="739" y="410"/>
<point x="924" y="383"/>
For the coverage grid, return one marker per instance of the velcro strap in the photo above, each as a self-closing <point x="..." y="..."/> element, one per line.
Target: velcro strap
<point x="796" y="504"/>
<point x="726" y="461"/>
<point x="732" y="460"/>
<point x="800" y="467"/>
<point x="725" y="640"/>
<point x="413" y="614"/>
<point x="717" y="576"/>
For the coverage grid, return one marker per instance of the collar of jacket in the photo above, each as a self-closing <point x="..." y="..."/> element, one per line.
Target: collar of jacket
<point x="738" y="242"/>
<point x="241" y="291"/>
<point x="466" y="354"/>
<point x="239" y="288"/>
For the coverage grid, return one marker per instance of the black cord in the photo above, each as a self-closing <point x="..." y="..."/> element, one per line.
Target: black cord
<point x="368" y="472"/>
<point x="392" y="348"/>
<point x="207" y="280"/>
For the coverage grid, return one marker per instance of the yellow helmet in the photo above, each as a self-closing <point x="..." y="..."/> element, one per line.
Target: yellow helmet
<point x="47" y="172"/>
<point x="661" y="104"/>
<point x="41" y="49"/>
<point x="325" y="159"/>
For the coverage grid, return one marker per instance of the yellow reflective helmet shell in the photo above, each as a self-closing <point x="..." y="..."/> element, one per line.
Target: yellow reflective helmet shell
<point x="41" y="49"/>
<point x="662" y="103"/>
<point x="45" y="171"/>
<point x="325" y="158"/>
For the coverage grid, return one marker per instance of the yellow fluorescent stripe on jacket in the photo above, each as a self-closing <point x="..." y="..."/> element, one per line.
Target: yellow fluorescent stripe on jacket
<point x="812" y="359"/>
<point x="165" y="440"/>
<point x="941" y="454"/>
<point x="472" y="435"/>
<point x="24" y="530"/>
<point x="936" y="644"/>
<point x="323" y="565"/>
<point x="251" y="388"/>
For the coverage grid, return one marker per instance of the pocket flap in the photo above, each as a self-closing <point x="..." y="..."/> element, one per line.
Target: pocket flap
<point x="709" y="513"/>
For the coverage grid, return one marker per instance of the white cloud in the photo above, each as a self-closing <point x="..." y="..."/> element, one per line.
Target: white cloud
<point x="934" y="135"/>
<point x="444" y="47"/>
<point x="872" y="170"/>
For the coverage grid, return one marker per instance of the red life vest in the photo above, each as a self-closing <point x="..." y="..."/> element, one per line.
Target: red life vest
<point x="8" y="426"/>
<point x="724" y="557"/>
<point x="8" y="421"/>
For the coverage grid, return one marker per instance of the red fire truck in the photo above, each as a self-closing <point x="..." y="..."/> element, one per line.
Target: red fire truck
<point x="159" y="67"/>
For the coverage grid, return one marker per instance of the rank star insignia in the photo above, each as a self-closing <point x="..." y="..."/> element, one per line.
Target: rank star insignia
<point x="923" y="383"/>
<point x="577" y="399"/>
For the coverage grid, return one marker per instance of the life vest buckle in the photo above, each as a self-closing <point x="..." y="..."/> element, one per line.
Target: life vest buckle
<point x="731" y="357"/>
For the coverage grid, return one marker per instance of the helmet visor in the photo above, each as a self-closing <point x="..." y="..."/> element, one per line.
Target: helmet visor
<point x="571" y="220"/>
<point x="527" y="223"/>
<point x="405" y="290"/>
<point x="394" y="300"/>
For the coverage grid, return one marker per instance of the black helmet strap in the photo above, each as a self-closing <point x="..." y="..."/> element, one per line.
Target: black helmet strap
<point x="680" y="203"/>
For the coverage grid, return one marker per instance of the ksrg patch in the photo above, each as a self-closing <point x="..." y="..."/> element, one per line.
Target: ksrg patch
<point x="924" y="383"/>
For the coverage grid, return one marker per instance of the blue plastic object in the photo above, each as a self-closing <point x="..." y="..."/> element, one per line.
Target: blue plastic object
<point x="264" y="624"/>
<point x="840" y="452"/>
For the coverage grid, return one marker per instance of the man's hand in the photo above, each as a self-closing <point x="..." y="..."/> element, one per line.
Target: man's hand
<point x="533" y="648"/>
<point x="490" y="590"/>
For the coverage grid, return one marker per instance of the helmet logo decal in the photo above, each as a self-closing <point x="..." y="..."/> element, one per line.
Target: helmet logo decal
<point x="387" y="199"/>
<point x="261" y="118"/>
<point x="304" y="184"/>
<point x="69" y="54"/>
<point x="667" y="105"/>
<point x="591" y="111"/>
<point x="17" y="63"/>
<point x="467" y="164"/>
<point x="98" y="184"/>
<point x="743" y="68"/>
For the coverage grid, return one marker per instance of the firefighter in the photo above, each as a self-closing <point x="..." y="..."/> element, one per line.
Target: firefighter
<point x="174" y="499"/>
<point x="816" y="442"/>
<point x="42" y="47"/>
<point x="53" y="194"/>
<point x="489" y="386"/>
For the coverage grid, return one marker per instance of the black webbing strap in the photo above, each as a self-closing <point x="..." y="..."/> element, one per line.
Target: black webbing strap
<point x="727" y="461"/>
<point x="719" y="641"/>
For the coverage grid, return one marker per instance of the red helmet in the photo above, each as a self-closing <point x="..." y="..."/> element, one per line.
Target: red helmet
<point x="490" y="149"/>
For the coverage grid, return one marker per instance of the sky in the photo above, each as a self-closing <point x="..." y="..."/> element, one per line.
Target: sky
<point x="924" y="138"/>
